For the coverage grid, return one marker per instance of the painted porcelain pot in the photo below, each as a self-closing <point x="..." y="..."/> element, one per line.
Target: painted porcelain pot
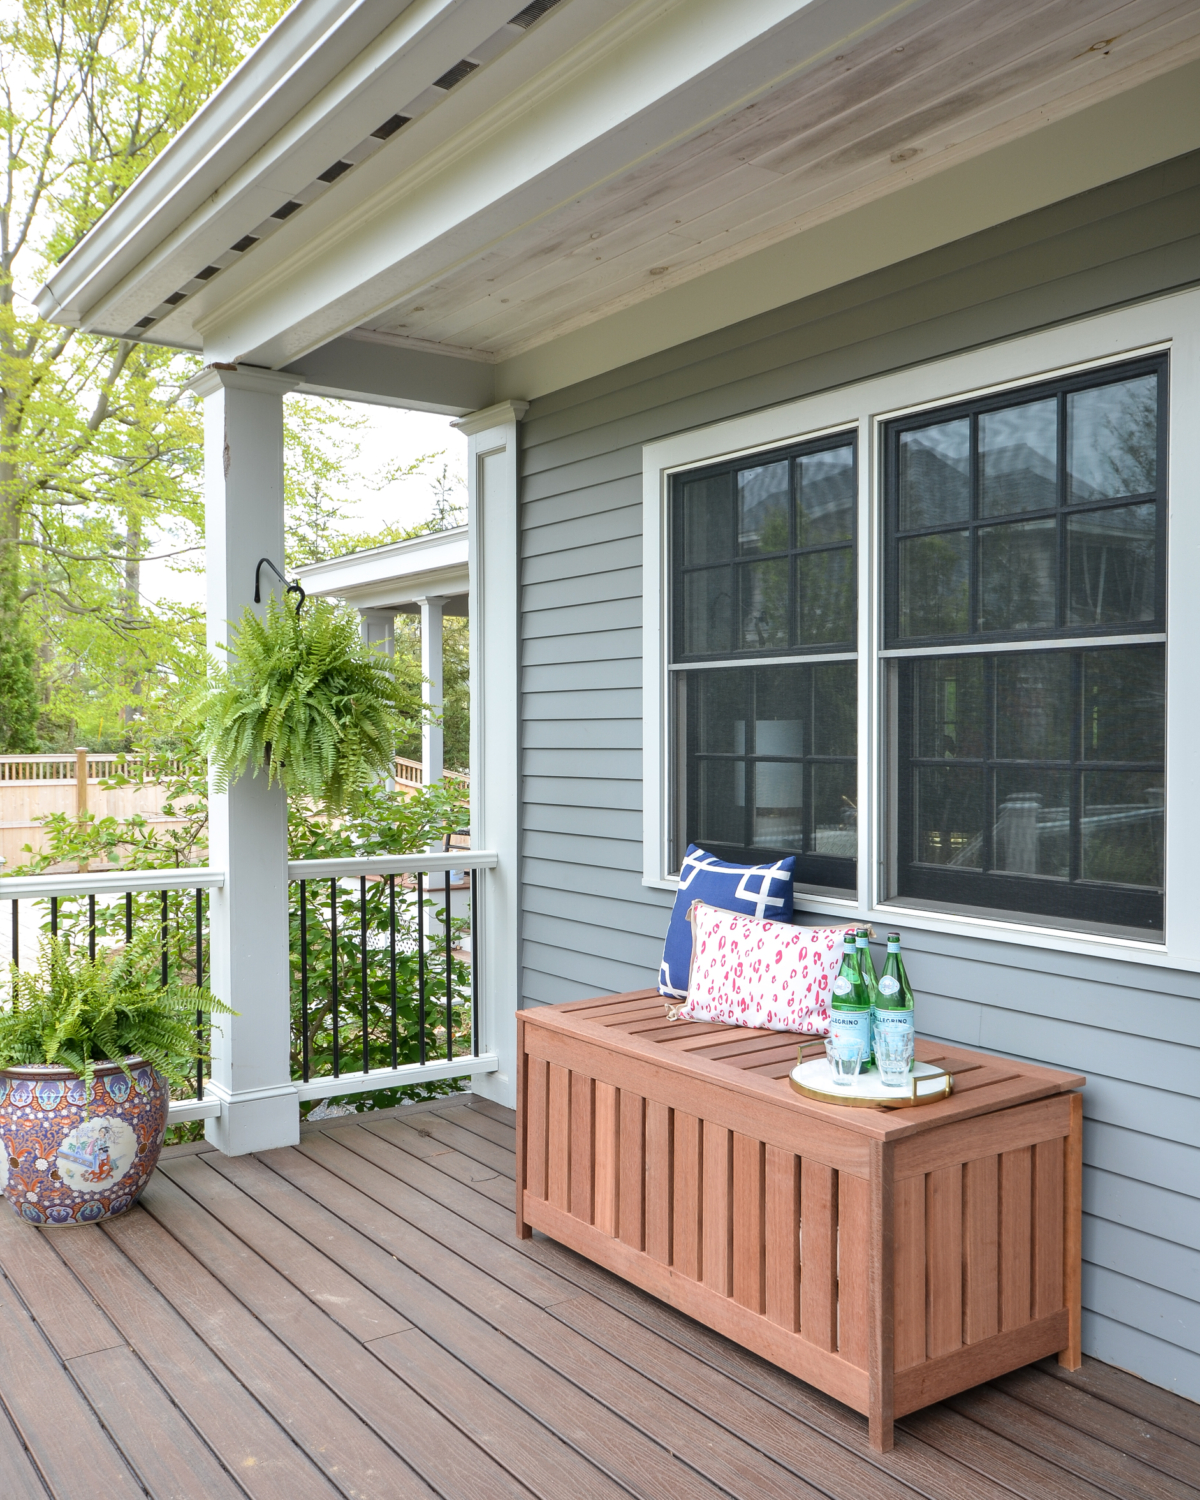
<point x="60" y="1165"/>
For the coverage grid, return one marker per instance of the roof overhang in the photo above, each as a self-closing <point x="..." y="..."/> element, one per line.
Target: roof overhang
<point x="398" y="576"/>
<point x="596" y="158"/>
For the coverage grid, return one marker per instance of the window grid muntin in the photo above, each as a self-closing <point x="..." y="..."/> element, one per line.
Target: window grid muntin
<point x="811" y="866"/>
<point x="976" y="523"/>
<point x="735" y="561"/>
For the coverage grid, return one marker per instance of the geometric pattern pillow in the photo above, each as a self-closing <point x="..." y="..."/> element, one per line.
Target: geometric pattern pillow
<point x="769" y="975"/>
<point x="753" y="890"/>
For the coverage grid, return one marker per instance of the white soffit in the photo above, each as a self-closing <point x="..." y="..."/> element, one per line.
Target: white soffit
<point x="396" y="574"/>
<point x="604" y="153"/>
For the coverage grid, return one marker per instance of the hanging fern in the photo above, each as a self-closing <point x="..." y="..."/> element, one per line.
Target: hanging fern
<point x="75" y="1011"/>
<point x="306" y="701"/>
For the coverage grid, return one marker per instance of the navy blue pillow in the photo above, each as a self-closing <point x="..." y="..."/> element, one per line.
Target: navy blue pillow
<point x="753" y="890"/>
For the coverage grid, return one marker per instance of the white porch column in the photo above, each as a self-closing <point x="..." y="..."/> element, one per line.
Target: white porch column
<point x="432" y="692"/>
<point x="495" y="728"/>
<point x="378" y="628"/>
<point x="243" y="485"/>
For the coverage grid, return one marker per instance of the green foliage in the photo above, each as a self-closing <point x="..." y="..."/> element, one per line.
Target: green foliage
<point x="382" y="824"/>
<point x="305" y="701"/>
<point x="99" y="449"/>
<point x="76" y="1011"/>
<point x="19" y="701"/>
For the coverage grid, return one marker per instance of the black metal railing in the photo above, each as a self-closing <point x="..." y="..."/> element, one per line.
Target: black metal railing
<point x="383" y="957"/>
<point x="93" y="911"/>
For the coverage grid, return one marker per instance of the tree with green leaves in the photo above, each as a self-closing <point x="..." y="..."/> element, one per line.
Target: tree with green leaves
<point x="99" y="453"/>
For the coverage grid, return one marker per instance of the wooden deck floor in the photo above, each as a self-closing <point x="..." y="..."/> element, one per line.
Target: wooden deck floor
<point x="355" y="1318"/>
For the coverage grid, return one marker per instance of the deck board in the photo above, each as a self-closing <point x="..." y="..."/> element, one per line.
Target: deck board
<point x="353" y="1317"/>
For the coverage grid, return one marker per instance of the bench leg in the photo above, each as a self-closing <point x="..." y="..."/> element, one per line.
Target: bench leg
<point x="1072" y="1356"/>
<point x="881" y="1288"/>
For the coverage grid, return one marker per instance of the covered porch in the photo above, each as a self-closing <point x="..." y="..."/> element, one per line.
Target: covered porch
<point x="351" y="1316"/>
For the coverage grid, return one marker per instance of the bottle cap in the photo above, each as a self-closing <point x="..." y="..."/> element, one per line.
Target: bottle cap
<point x="893" y="937"/>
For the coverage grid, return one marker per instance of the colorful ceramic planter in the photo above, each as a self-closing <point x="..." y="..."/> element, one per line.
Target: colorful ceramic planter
<point x="61" y="1164"/>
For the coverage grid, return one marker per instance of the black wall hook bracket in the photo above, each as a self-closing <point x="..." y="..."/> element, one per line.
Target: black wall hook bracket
<point x="289" y="588"/>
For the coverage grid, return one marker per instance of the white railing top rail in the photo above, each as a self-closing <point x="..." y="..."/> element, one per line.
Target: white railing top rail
<point x="392" y="864"/>
<point x="108" y="883"/>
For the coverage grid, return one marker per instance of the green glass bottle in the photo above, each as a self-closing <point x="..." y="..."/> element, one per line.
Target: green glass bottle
<point x="866" y="964"/>
<point x="850" y="1004"/>
<point x="894" y="996"/>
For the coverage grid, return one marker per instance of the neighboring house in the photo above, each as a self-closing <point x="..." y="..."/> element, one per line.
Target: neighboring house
<point x="427" y="576"/>
<point x="830" y="373"/>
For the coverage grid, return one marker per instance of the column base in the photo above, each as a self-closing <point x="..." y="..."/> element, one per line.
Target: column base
<point x="253" y="1119"/>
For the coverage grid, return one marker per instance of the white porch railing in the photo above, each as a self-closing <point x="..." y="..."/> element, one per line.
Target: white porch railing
<point x="382" y="959"/>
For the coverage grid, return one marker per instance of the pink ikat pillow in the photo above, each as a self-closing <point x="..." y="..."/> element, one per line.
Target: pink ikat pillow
<point x="748" y="971"/>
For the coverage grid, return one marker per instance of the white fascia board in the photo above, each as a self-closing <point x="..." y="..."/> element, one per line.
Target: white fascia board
<point x="327" y="75"/>
<point x="657" y="73"/>
<point x="397" y="574"/>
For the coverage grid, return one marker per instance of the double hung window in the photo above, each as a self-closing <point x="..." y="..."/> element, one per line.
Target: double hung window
<point x="1016" y="626"/>
<point x="1030" y="778"/>
<point x="763" y="650"/>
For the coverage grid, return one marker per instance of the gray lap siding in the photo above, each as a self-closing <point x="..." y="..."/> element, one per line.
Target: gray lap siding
<point x="589" y="926"/>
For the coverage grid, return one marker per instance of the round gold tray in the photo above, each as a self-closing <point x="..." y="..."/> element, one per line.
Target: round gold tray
<point x="868" y="1091"/>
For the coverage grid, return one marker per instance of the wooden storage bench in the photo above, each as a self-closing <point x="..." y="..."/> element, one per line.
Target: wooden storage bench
<point x="891" y="1257"/>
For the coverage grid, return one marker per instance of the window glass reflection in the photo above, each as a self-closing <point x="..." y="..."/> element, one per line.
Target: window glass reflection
<point x="934" y="582"/>
<point x="707" y="519"/>
<point x="1112" y="440"/>
<point x="949" y="820"/>
<point x="1018" y="458"/>
<point x="763" y="509"/>
<point x="1031" y="833"/>
<point x="1122" y="827"/>
<point x="935" y="475"/>
<point x="1034" y="706"/>
<point x="825" y="497"/>
<point x="825" y="597"/>
<point x="950" y="720"/>
<point x="708" y="611"/>
<point x="1124" y="703"/>
<point x="1112" y="565"/>
<point x="764" y="589"/>
<point x="1017" y="576"/>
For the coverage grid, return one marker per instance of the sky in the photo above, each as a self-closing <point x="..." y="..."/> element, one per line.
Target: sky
<point x="388" y="436"/>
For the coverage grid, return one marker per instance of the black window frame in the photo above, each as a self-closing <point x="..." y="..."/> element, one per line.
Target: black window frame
<point x="1072" y="899"/>
<point x="736" y="563"/>
<point x="1062" y="511"/>
<point x="834" y="874"/>
<point x="1039" y="898"/>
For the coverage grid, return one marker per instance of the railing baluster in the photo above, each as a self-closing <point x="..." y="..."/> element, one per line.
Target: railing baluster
<point x="449" y="976"/>
<point x="421" y="958"/>
<point x="199" y="982"/>
<point x="362" y="970"/>
<point x="16" y="933"/>
<point x="92" y="927"/>
<point x="304" y="1044"/>
<point x="53" y="916"/>
<point x="474" y="964"/>
<point x="392" y="945"/>
<point x="165" y="938"/>
<point x="333" y="894"/>
<point x="128" y="918"/>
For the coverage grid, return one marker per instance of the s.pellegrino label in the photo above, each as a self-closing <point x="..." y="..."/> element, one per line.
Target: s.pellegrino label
<point x="893" y="1007"/>
<point x="850" y="1003"/>
<point x="866" y="964"/>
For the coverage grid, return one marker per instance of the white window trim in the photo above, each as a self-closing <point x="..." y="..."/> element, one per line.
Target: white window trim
<point x="1170" y="322"/>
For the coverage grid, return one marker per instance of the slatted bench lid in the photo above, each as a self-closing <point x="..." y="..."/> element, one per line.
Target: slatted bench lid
<point x="759" y="1061"/>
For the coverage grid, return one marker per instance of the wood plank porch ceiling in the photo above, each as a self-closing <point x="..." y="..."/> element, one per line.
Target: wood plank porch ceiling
<point x="939" y="84"/>
<point x="354" y="1318"/>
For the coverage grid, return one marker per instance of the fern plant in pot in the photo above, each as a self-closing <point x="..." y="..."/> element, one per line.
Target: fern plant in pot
<point x="306" y="702"/>
<point x="89" y="1048"/>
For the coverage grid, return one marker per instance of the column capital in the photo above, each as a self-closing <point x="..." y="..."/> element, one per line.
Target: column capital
<point x="500" y="415"/>
<point x="241" y="378"/>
